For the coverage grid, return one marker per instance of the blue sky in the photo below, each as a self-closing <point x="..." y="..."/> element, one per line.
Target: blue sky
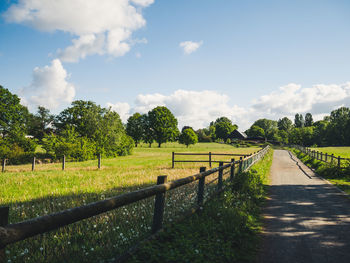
<point x="255" y="58"/>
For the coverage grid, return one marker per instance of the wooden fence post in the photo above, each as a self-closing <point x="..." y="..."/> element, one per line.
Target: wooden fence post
<point x="173" y="160"/>
<point x="326" y="157"/>
<point x="220" y="176"/>
<point x="159" y="206"/>
<point x="339" y="165"/>
<point x="99" y="161"/>
<point x="321" y="156"/>
<point x="232" y="173"/>
<point x="240" y="165"/>
<point x="3" y="165"/>
<point x="33" y="164"/>
<point x="201" y="183"/>
<point x="210" y="159"/>
<point x="63" y="162"/>
<point x="332" y="158"/>
<point x="4" y="217"/>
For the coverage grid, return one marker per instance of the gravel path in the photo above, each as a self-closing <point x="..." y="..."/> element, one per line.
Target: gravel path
<point x="306" y="219"/>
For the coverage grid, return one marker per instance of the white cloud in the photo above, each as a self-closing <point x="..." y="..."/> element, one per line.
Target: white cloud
<point x="122" y="108"/>
<point x="49" y="87"/>
<point x="190" y="46"/>
<point x="199" y="108"/>
<point x="101" y="27"/>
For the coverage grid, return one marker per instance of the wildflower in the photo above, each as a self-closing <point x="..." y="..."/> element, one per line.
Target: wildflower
<point x="41" y="249"/>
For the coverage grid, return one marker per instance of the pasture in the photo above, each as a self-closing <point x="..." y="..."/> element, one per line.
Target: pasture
<point x="48" y="189"/>
<point x="343" y="152"/>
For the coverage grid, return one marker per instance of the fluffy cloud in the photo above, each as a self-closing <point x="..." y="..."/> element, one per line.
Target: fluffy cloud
<point x="190" y="46"/>
<point x="198" y="108"/>
<point x="49" y="87"/>
<point x="101" y="27"/>
<point x="122" y="108"/>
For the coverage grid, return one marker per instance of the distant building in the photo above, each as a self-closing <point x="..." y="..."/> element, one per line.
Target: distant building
<point x="236" y="134"/>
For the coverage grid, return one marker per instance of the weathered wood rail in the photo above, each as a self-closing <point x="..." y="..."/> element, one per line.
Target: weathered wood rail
<point x="320" y="156"/>
<point x="11" y="233"/>
<point x="209" y="160"/>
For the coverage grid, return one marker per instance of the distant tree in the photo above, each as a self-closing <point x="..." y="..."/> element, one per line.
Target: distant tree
<point x="285" y="124"/>
<point x="164" y="124"/>
<point x="223" y="127"/>
<point x="186" y="127"/>
<point x="187" y="137"/>
<point x="256" y="131"/>
<point x="308" y="120"/>
<point x="269" y="127"/>
<point x="298" y="120"/>
<point x="321" y="133"/>
<point x="339" y="127"/>
<point x="134" y="127"/>
<point x="203" y="135"/>
<point x="39" y="124"/>
<point x="12" y="113"/>
<point x="148" y="135"/>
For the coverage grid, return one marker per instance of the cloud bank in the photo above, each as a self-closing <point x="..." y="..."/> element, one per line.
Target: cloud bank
<point x="198" y="108"/>
<point x="100" y="27"/>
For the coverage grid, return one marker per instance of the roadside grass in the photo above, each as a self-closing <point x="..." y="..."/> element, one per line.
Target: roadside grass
<point x="340" y="178"/>
<point x="343" y="152"/>
<point x="225" y="230"/>
<point x="98" y="239"/>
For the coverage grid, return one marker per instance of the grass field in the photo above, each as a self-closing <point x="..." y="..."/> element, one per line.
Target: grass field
<point x="48" y="189"/>
<point x="343" y="152"/>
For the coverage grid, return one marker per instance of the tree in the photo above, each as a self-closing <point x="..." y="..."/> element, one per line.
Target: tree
<point x="339" y="127"/>
<point x="134" y="127"/>
<point x="298" y="120"/>
<point x="256" y="132"/>
<point x="148" y="133"/>
<point x="285" y="124"/>
<point x="186" y="127"/>
<point x="269" y="127"/>
<point x="164" y="124"/>
<point x="187" y="137"/>
<point x="308" y="120"/>
<point x="203" y="135"/>
<point x="38" y="124"/>
<point x="12" y="113"/>
<point x="223" y="127"/>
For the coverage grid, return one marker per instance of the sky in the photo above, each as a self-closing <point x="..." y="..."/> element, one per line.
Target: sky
<point x="202" y="59"/>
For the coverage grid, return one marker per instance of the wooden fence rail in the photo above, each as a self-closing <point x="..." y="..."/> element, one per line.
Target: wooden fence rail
<point x="209" y="154"/>
<point x="11" y="233"/>
<point x="320" y="156"/>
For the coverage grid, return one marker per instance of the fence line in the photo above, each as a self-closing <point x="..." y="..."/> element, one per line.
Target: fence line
<point x="11" y="233"/>
<point x="209" y="154"/>
<point x="320" y="156"/>
<point x="35" y="161"/>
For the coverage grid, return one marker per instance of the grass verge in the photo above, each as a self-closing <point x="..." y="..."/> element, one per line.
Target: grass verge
<point x="338" y="177"/>
<point x="225" y="230"/>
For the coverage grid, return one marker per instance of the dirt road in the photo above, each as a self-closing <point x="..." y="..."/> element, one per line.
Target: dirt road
<point x="306" y="219"/>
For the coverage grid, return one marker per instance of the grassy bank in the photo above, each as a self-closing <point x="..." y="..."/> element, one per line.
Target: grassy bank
<point x="343" y="152"/>
<point x="340" y="178"/>
<point x="98" y="239"/>
<point x="225" y="230"/>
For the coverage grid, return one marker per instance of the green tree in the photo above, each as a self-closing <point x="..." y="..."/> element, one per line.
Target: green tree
<point x="298" y="120"/>
<point x="269" y="127"/>
<point x="164" y="124"/>
<point x="223" y="128"/>
<point x="188" y="136"/>
<point x="147" y="131"/>
<point x="285" y="124"/>
<point x="339" y="127"/>
<point x="308" y="120"/>
<point x="256" y="131"/>
<point x="203" y="135"/>
<point x="12" y="113"/>
<point x="38" y="124"/>
<point x="134" y="127"/>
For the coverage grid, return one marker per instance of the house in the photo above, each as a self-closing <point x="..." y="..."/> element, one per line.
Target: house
<point x="236" y="134"/>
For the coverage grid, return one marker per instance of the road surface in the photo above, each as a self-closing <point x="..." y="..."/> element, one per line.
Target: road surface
<point x="306" y="219"/>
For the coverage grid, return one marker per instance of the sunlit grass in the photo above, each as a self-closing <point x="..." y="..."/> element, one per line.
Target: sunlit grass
<point x="49" y="189"/>
<point x="343" y="152"/>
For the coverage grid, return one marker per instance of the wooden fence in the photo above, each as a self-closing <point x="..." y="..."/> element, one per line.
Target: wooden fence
<point x="320" y="156"/>
<point x="35" y="161"/>
<point x="12" y="233"/>
<point x="209" y="160"/>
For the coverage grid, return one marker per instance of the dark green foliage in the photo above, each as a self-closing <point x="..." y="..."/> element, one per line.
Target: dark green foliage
<point x="188" y="136"/>
<point x="203" y="135"/>
<point x="148" y="135"/>
<point x="256" y="131"/>
<point x="164" y="125"/>
<point x="186" y="127"/>
<point x="298" y="120"/>
<point x="38" y="124"/>
<point x="222" y="128"/>
<point x="134" y="127"/>
<point x="269" y="127"/>
<point x="308" y="120"/>
<point x="285" y="124"/>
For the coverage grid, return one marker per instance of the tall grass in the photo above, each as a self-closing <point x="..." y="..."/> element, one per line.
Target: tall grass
<point x="101" y="238"/>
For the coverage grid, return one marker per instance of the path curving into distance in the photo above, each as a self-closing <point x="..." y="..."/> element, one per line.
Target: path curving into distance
<point x="305" y="219"/>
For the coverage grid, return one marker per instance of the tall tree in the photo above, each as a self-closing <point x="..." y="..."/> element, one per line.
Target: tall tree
<point x="298" y="120"/>
<point x="269" y="127"/>
<point x="308" y="120"/>
<point x="164" y="124"/>
<point x="134" y="127"/>
<point x="147" y="131"/>
<point x="39" y="123"/>
<point x="285" y="124"/>
<point x="223" y="128"/>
